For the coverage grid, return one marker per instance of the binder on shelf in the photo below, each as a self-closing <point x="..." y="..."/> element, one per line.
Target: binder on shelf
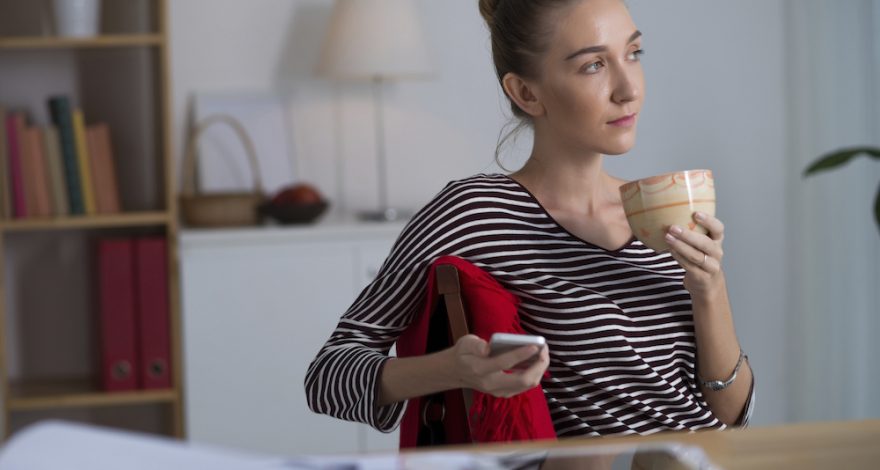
<point x="151" y="273"/>
<point x="19" y="203"/>
<point x="117" y="317"/>
<point x="5" y="190"/>
<point x="59" y="109"/>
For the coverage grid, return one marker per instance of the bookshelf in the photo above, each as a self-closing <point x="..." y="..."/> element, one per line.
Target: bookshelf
<point x="48" y="317"/>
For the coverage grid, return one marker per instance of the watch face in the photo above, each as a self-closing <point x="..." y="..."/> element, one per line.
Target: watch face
<point x="716" y="385"/>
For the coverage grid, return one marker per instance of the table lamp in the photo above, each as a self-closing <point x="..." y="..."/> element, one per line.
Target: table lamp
<point x="376" y="41"/>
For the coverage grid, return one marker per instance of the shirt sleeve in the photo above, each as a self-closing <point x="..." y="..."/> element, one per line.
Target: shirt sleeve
<point x="343" y="379"/>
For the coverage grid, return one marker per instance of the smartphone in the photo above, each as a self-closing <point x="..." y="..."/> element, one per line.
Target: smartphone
<point x="500" y="343"/>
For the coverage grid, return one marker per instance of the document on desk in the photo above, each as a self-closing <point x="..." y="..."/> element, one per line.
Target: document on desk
<point x="52" y="445"/>
<point x="660" y="456"/>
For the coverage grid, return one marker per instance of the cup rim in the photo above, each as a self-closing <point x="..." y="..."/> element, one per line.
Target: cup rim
<point x="629" y="184"/>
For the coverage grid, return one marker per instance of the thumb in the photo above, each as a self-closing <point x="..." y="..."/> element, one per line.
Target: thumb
<point x="473" y="344"/>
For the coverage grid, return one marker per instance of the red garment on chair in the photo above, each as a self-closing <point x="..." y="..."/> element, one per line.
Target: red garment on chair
<point x="490" y="309"/>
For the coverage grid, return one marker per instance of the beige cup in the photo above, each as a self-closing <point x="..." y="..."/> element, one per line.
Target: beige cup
<point x="654" y="204"/>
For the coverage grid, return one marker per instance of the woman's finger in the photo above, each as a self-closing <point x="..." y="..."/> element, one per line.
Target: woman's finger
<point x="691" y="258"/>
<point x="712" y="224"/>
<point x="697" y="240"/>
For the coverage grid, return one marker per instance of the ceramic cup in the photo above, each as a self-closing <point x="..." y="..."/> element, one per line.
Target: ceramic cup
<point x="77" y="18"/>
<point x="654" y="204"/>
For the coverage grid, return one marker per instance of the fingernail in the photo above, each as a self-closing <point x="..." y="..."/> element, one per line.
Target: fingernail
<point x="700" y="216"/>
<point x="670" y="238"/>
<point x="676" y="229"/>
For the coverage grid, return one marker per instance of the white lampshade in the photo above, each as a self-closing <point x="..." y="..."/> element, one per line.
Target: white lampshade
<point x="371" y="39"/>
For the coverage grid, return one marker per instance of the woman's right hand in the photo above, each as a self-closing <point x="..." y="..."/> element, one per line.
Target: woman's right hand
<point x="474" y="369"/>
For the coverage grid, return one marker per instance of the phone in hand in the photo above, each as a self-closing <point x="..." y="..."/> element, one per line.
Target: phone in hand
<point x="500" y="343"/>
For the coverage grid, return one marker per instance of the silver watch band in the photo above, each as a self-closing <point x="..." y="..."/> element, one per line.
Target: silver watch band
<point x="718" y="385"/>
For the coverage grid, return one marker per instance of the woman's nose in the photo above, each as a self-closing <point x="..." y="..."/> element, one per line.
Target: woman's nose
<point x="625" y="90"/>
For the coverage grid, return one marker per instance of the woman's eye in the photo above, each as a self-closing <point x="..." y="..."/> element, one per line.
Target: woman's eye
<point x="592" y="68"/>
<point x="634" y="55"/>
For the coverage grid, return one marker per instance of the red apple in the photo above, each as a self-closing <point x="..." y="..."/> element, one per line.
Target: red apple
<point x="299" y="194"/>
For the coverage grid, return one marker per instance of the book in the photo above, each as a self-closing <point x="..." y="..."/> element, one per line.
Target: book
<point x="19" y="203"/>
<point x="57" y="183"/>
<point x="154" y="325"/>
<point x="59" y="110"/>
<point x="39" y="175"/>
<point x="103" y="169"/>
<point x="5" y="190"/>
<point x="116" y="314"/>
<point x="84" y="162"/>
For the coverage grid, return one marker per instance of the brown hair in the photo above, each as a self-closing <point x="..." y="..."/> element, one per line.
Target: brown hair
<point x="520" y="34"/>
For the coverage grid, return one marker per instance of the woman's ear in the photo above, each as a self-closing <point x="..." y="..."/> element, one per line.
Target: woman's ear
<point x="522" y="94"/>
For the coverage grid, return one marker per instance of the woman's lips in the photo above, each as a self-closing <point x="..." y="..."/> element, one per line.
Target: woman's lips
<point x="625" y="121"/>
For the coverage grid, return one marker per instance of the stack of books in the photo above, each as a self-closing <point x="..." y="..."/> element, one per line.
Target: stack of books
<point x="66" y="168"/>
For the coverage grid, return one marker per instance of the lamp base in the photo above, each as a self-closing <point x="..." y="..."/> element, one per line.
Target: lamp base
<point x="385" y="215"/>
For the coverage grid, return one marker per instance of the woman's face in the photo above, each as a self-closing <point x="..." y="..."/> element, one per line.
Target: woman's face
<point x="591" y="77"/>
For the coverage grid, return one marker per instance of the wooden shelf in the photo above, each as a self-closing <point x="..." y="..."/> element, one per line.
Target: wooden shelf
<point x="130" y="219"/>
<point x="54" y="42"/>
<point x="77" y="393"/>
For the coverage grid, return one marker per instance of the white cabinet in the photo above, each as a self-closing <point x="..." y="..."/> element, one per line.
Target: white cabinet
<point x="257" y="306"/>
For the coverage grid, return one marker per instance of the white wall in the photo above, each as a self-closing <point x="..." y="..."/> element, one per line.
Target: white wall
<point x="717" y="78"/>
<point x="835" y="250"/>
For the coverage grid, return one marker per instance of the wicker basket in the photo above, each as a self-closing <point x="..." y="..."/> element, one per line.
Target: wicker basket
<point x="229" y="209"/>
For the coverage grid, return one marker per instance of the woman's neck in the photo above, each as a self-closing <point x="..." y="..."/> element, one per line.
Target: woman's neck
<point x="562" y="181"/>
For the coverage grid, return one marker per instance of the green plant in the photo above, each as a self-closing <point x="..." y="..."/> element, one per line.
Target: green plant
<point x="840" y="157"/>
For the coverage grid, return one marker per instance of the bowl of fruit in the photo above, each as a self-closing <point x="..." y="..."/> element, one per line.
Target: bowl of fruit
<point x="297" y="204"/>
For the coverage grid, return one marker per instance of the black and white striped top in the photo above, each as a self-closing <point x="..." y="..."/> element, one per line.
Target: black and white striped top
<point x="618" y="323"/>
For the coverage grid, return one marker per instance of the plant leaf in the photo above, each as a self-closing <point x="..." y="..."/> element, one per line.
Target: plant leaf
<point x="877" y="208"/>
<point x="838" y="158"/>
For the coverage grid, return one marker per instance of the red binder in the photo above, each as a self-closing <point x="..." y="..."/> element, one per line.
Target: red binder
<point x="151" y="273"/>
<point x="117" y="315"/>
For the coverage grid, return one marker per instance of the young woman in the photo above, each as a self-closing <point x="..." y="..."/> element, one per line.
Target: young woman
<point x="637" y="339"/>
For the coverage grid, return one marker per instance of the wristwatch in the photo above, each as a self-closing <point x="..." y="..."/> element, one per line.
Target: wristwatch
<point x="718" y="385"/>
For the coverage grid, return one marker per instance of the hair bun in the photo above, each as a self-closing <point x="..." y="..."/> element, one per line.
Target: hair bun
<point x="487" y="10"/>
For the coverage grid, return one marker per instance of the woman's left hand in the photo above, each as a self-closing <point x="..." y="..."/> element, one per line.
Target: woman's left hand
<point x="700" y="255"/>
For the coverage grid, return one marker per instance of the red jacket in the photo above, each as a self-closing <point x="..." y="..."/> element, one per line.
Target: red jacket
<point x="490" y="309"/>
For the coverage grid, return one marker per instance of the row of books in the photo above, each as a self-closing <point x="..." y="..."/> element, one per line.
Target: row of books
<point x="66" y="168"/>
<point x="133" y="313"/>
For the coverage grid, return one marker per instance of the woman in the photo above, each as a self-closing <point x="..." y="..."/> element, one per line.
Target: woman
<point x="634" y="335"/>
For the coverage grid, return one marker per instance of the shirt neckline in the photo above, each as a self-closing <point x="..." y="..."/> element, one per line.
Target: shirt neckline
<point x="626" y="245"/>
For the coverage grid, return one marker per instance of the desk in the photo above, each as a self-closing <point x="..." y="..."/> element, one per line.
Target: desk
<point x="833" y="445"/>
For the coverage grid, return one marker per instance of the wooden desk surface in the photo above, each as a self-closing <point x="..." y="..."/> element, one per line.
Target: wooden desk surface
<point x="832" y="445"/>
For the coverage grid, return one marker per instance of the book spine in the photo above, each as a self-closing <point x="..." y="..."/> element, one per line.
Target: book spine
<point x="5" y="189"/>
<point x="60" y="205"/>
<point x="107" y="187"/>
<point x="19" y="203"/>
<point x="40" y="174"/>
<point x="59" y="109"/>
<point x="82" y="153"/>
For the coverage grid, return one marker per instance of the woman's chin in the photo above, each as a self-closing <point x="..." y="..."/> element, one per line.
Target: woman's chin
<point x="619" y="148"/>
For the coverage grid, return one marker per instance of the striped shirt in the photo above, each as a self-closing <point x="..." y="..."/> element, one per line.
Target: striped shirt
<point x="619" y="324"/>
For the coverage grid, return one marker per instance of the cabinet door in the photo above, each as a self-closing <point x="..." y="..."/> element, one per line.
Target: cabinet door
<point x="254" y="317"/>
<point x="369" y="257"/>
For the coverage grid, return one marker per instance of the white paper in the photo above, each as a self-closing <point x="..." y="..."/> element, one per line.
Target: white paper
<point x="55" y="445"/>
